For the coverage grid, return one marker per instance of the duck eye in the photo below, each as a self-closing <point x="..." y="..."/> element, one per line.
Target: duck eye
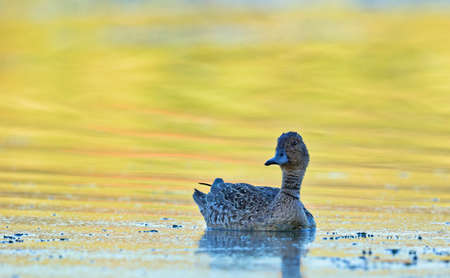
<point x="294" y="143"/>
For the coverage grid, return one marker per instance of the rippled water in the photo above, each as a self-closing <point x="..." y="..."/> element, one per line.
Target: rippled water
<point x="110" y="117"/>
<point x="130" y="238"/>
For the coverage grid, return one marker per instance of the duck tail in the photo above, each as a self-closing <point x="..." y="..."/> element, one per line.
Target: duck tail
<point x="204" y="183"/>
<point x="199" y="198"/>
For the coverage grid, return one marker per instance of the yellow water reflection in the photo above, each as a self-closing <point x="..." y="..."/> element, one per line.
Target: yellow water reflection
<point x="109" y="118"/>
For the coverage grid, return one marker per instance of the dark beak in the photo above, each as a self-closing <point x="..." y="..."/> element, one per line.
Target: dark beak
<point x="280" y="158"/>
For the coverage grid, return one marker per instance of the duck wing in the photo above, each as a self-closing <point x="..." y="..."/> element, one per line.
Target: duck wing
<point x="229" y="204"/>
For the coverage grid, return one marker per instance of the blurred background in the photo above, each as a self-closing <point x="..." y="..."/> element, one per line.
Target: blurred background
<point x="116" y="109"/>
<point x="162" y="94"/>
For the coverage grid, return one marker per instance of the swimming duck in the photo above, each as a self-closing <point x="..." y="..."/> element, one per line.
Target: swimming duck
<point x="242" y="206"/>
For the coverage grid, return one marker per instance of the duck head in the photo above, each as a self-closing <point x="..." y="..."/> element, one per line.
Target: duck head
<point x="291" y="152"/>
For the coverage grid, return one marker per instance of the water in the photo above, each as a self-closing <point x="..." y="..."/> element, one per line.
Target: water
<point x="110" y="242"/>
<point x="109" y="119"/>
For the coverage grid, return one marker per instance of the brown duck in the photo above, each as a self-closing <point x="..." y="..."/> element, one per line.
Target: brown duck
<point x="241" y="206"/>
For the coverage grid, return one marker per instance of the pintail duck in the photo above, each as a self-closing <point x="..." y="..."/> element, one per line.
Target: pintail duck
<point x="242" y="206"/>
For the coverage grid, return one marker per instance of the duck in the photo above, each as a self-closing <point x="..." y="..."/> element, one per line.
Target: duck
<point x="245" y="207"/>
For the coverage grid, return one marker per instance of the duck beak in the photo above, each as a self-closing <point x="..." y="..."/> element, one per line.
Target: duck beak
<point x="280" y="158"/>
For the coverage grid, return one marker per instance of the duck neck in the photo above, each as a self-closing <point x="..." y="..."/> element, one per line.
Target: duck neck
<point x="292" y="181"/>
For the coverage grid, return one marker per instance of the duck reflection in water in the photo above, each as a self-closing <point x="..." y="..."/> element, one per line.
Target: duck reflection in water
<point x="239" y="250"/>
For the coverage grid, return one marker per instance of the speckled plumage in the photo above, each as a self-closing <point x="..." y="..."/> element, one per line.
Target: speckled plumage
<point x="241" y="206"/>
